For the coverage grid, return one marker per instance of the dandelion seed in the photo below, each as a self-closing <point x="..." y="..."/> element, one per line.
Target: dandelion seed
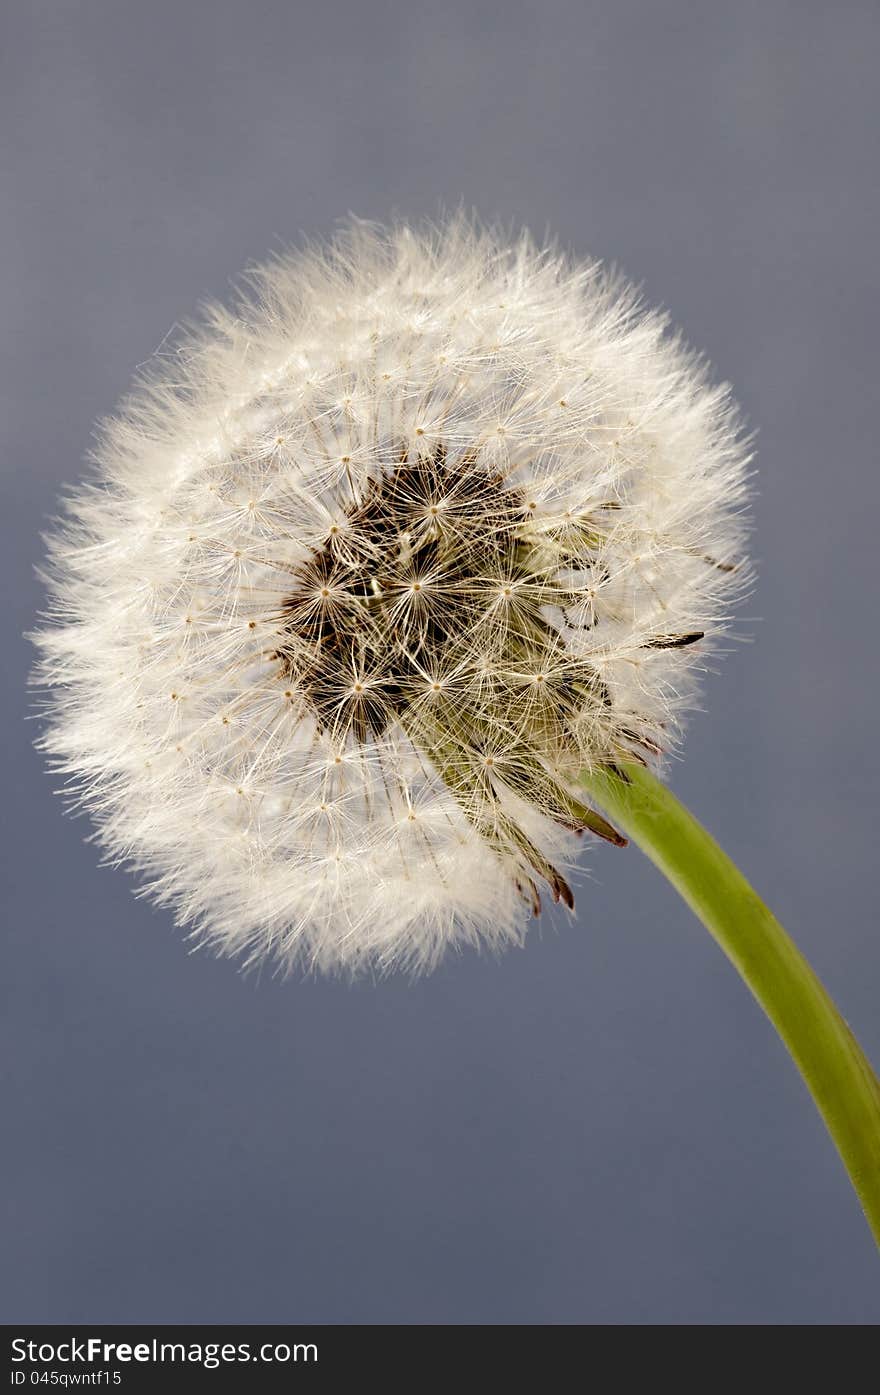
<point x="448" y="596"/>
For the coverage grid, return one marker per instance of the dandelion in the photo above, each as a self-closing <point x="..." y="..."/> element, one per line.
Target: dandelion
<point x="374" y="569"/>
<point x="389" y="581"/>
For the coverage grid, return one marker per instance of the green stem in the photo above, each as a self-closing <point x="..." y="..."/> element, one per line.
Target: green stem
<point x="833" y="1065"/>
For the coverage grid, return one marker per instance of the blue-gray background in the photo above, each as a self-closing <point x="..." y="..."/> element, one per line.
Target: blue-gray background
<point x="600" y="1127"/>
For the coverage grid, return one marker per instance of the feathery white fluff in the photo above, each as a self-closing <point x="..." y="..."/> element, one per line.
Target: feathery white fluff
<point x="370" y="568"/>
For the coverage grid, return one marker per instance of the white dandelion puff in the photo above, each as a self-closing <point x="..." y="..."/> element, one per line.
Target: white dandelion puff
<point x="372" y="568"/>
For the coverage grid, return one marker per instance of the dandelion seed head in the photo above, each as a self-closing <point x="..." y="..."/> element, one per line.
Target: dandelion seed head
<point x="375" y="564"/>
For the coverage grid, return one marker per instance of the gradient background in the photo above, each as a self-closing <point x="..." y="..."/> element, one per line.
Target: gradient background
<point x="600" y="1127"/>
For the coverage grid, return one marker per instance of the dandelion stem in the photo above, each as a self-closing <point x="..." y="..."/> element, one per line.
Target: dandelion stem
<point x="835" y="1069"/>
